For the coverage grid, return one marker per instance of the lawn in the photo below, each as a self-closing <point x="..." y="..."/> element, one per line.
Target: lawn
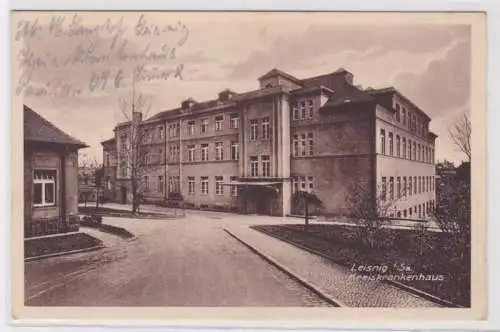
<point x="426" y="264"/>
<point x="58" y="244"/>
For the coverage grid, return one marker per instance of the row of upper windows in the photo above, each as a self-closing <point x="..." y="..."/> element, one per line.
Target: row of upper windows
<point x="302" y="183"/>
<point x="405" y="148"/>
<point x="411" y="120"/>
<point x="219" y="122"/>
<point x="406" y="186"/>
<point x="201" y="152"/>
<point x="204" y="185"/>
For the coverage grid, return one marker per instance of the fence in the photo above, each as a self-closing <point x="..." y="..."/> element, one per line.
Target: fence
<point x="48" y="226"/>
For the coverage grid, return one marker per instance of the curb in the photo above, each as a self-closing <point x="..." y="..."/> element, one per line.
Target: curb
<point x="320" y="292"/>
<point x="64" y="253"/>
<point x="409" y="289"/>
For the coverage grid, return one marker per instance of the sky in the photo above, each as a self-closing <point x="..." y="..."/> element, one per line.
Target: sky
<point x="76" y="69"/>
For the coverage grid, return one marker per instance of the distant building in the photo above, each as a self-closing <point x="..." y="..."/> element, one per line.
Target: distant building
<point x="50" y="177"/>
<point x="88" y="190"/>
<point x="251" y="151"/>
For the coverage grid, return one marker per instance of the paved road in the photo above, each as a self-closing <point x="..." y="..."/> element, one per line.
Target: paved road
<point x="184" y="262"/>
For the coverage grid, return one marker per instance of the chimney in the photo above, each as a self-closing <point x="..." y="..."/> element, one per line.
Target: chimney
<point x="136" y="117"/>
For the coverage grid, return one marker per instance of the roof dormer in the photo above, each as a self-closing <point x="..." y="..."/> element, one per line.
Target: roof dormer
<point x="188" y="103"/>
<point x="226" y="95"/>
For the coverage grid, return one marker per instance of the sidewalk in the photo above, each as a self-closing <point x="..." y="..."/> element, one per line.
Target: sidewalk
<point x="333" y="281"/>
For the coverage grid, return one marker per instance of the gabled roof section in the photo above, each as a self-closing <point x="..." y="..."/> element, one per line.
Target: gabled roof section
<point x="276" y="72"/>
<point x="38" y="129"/>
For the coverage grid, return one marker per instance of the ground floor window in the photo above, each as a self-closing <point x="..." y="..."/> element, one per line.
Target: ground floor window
<point x="204" y="185"/>
<point x="219" y="185"/>
<point x="234" y="188"/>
<point x="44" y="187"/>
<point x="191" y="185"/>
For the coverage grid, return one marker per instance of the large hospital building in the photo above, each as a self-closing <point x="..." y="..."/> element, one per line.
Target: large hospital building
<point x="251" y="151"/>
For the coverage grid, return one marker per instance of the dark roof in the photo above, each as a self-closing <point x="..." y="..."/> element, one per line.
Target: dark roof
<point x="393" y="90"/>
<point x="37" y="129"/>
<point x="108" y="140"/>
<point x="276" y="72"/>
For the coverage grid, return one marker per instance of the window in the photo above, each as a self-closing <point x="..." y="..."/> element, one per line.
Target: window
<point x="414" y="150"/>
<point x="405" y="186"/>
<point x="254" y="129"/>
<point x="123" y="169"/>
<point x="404" y="147"/>
<point x="191" y="186"/>
<point x="219" y="185"/>
<point x="146" y="158"/>
<point x="310" y="144"/>
<point x="295" y="145"/>
<point x="204" y="126"/>
<point x="145" y="180"/>
<point x="44" y="183"/>
<point x="310" y="184"/>
<point x="391" y="145"/>
<point x="398" y="187"/>
<point x="234" y="188"/>
<point x="303" y="110"/>
<point x="235" y="150"/>
<point x="398" y="113"/>
<point x="173" y="129"/>
<point x="384" y="188"/>
<point x="410" y="186"/>
<point x="415" y="185"/>
<point x="161" y="132"/>
<point x="218" y="123"/>
<point x="204" y="185"/>
<point x="419" y="150"/>
<point x="302" y="146"/>
<point x="190" y="128"/>
<point x="234" y="121"/>
<point x="391" y="187"/>
<point x="266" y="166"/>
<point x="123" y="142"/>
<point x="191" y="149"/>
<point x="382" y="141"/>
<point x="295" y="112"/>
<point x="161" y="157"/>
<point x="204" y="152"/>
<point x="219" y="151"/>
<point x="265" y="128"/>
<point x="160" y="184"/>
<point x="398" y="146"/>
<point x="405" y="213"/>
<point x="174" y="152"/>
<point x="404" y="116"/>
<point x="173" y="184"/>
<point x="309" y="109"/>
<point x="254" y="166"/>
<point x="409" y="149"/>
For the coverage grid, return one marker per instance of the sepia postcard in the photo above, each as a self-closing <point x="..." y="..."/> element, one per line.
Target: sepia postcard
<point x="248" y="165"/>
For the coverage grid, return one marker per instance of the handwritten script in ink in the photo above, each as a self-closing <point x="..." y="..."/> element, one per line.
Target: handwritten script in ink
<point x="69" y="55"/>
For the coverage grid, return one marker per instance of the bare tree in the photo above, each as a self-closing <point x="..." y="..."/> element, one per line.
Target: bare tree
<point x="460" y="133"/>
<point x="134" y="152"/>
<point x="372" y="211"/>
